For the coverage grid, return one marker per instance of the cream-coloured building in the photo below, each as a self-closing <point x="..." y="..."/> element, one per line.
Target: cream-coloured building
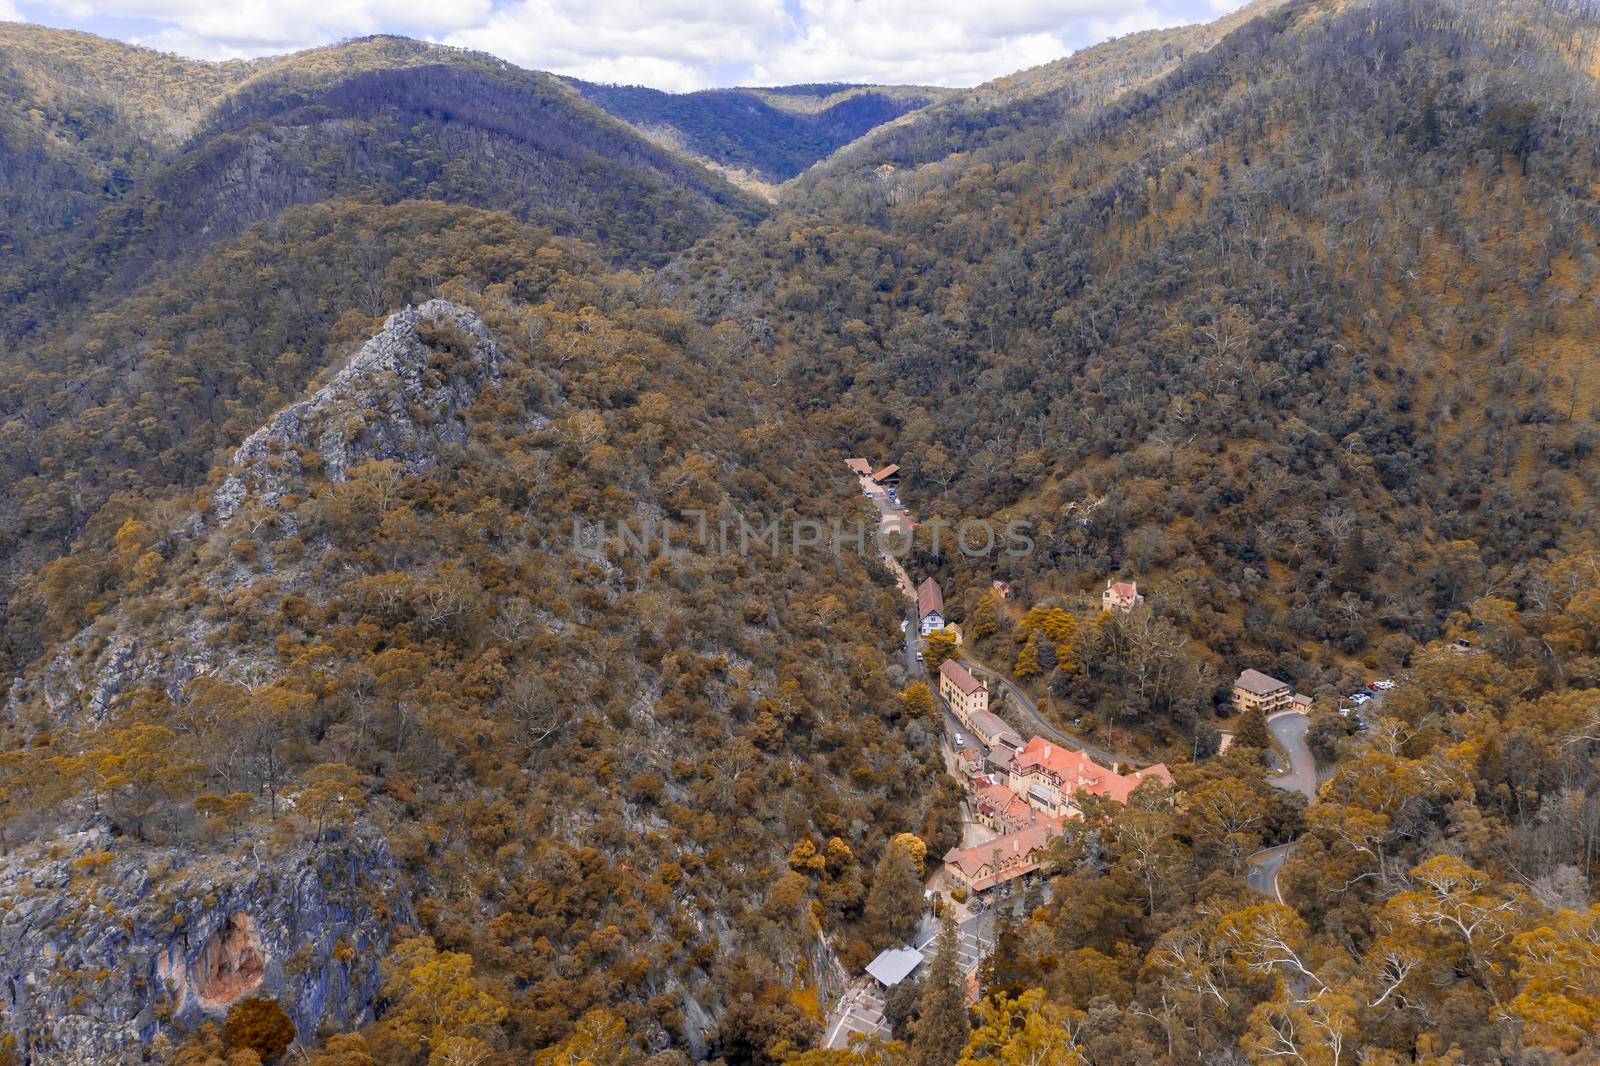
<point x="1049" y="777"/>
<point x="1120" y="596"/>
<point x="1255" y="689"/>
<point x="965" y="694"/>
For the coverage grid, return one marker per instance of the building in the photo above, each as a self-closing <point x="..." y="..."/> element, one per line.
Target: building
<point x="894" y="965"/>
<point x="1000" y="738"/>
<point x="963" y="692"/>
<point x="1050" y="778"/>
<point x="994" y="862"/>
<point x="1120" y="596"/>
<point x="888" y="477"/>
<point x="1255" y="689"/>
<point x="997" y="807"/>
<point x="859" y="467"/>
<point x="930" y="607"/>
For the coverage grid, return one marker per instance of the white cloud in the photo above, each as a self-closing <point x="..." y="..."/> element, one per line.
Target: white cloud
<point x="10" y="13"/>
<point x="942" y="42"/>
<point x="671" y="44"/>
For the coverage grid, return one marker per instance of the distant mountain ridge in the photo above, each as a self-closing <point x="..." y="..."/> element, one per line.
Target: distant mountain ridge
<point x="769" y="134"/>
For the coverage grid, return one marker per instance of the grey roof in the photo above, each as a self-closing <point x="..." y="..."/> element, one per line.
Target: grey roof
<point x="1258" y="684"/>
<point x="894" y="965"/>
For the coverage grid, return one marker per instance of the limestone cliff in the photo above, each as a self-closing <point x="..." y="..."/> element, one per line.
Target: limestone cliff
<point x="105" y="948"/>
<point x="107" y="943"/>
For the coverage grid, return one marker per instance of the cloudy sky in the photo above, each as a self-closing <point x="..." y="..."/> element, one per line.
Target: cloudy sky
<point x="670" y="44"/>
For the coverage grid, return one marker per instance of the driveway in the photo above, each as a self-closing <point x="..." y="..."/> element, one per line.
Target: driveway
<point x="1289" y="729"/>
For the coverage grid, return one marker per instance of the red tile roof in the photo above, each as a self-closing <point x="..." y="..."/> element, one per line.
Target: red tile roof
<point x="859" y="466"/>
<point x="1076" y="772"/>
<point x="1019" y="848"/>
<point x="889" y="471"/>
<point x="1125" y="590"/>
<point x="1000" y="803"/>
<point x="929" y="599"/>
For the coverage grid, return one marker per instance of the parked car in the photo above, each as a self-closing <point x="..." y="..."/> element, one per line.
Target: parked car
<point x="1358" y="698"/>
<point x="919" y="656"/>
<point x="961" y="741"/>
<point x="1383" y="686"/>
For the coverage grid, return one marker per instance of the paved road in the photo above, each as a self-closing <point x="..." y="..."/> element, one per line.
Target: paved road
<point x="1264" y="865"/>
<point x="1035" y="722"/>
<point x="1289" y="729"/>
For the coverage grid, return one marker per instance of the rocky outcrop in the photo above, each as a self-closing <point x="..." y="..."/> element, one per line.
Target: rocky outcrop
<point x="402" y="398"/>
<point x="101" y="951"/>
<point x="392" y="400"/>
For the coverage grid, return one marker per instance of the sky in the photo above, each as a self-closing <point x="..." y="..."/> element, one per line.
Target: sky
<point x="677" y="45"/>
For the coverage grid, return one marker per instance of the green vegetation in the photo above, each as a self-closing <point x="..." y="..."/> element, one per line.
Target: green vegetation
<point x="1289" y="317"/>
<point x="773" y="134"/>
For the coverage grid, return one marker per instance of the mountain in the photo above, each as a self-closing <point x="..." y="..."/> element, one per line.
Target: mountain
<point x="418" y="652"/>
<point x="765" y="136"/>
<point x="379" y="119"/>
<point x="401" y="610"/>
<point x="1234" y="337"/>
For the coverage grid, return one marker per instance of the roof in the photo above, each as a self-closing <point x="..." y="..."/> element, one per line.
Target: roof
<point x="859" y="466"/>
<point x="960" y="677"/>
<point x="1125" y="590"/>
<point x="1020" y="845"/>
<point x="994" y="731"/>
<point x="1258" y="684"/>
<point x="1077" y="772"/>
<point x="889" y="471"/>
<point x="894" y="965"/>
<point x="996" y="799"/>
<point x="929" y="598"/>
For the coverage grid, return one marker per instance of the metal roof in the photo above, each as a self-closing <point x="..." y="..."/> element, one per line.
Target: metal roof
<point x="894" y="965"/>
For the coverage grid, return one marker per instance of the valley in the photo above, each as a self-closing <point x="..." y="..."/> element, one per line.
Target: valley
<point x="1222" y="685"/>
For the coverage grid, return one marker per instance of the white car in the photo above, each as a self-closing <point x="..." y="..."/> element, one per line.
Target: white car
<point x="1358" y="698"/>
<point x="1383" y="686"/>
<point x="961" y="741"/>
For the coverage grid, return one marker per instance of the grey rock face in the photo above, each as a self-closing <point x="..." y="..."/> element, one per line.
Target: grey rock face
<point x="387" y="402"/>
<point x="99" y="954"/>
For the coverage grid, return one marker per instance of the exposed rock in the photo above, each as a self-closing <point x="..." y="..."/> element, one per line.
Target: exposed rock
<point x="393" y="400"/>
<point x="99" y="953"/>
<point x="387" y="402"/>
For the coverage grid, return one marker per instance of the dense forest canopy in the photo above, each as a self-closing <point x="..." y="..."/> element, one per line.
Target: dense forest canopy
<point x="324" y="376"/>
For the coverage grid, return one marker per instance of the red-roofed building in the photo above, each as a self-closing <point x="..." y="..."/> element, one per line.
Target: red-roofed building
<point x="859" y="467"/>
<point x="1121" y="596"/>
<point x="997" y="807"/>
<point x="994" y="862"/>
<point x="889" y="476"/>
<point x="1049" y="776"/>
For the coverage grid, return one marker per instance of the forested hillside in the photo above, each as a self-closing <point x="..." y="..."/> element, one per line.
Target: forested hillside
<point x="327" y="380"/>
<point x="379" y="119"/>
<point x="769" y="134"/>
<point x="385" y="614"/>
<point x="1295" y="333"/>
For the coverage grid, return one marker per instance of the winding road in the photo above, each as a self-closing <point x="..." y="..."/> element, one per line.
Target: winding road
<point x="1264" y="865"/>
<point x="1037" y="723"/>
<point x="1289" y="730"/>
